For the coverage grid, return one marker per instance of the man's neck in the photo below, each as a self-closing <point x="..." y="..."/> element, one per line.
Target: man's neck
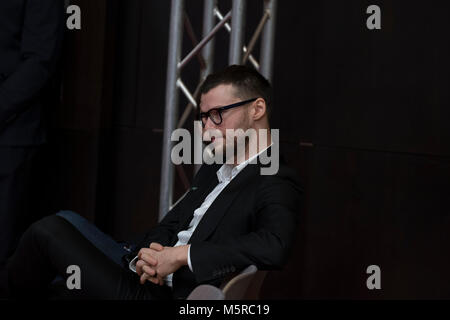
<point x="252" y="150"/>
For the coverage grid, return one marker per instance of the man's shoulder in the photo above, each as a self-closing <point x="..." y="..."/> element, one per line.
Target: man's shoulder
<point x="282" y="188"/>
<point x="284" y="175"/>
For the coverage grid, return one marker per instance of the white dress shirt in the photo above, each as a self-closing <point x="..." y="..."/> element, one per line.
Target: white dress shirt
<point x="225" y="174"/>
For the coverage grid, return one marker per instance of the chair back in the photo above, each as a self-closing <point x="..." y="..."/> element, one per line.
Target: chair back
<point x="206" y="292"/>
<point x="236" y="288"/>
<point x="246" y="285"/>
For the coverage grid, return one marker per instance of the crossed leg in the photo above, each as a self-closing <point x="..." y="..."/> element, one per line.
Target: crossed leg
<point x="53" y="244"/>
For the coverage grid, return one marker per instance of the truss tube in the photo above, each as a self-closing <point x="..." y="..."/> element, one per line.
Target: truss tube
<point x="208" y="53"/>
<point x="208" y="25"/>
<point x="227" y="26"/>
<point x="237" y="31"/>
<point x="171" y="107"/>
<point x="256" y="35"/>
<point x="268" y="40"/>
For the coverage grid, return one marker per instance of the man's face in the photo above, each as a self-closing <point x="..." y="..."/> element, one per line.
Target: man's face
<point x="235" y="118"/>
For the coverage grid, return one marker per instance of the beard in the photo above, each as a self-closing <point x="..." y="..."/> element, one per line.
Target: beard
<point x="220" y="143"/>
<point x="227" y="150"/>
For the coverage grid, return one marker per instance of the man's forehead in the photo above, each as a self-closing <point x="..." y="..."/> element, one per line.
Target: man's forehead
<point x="218" y="96"/>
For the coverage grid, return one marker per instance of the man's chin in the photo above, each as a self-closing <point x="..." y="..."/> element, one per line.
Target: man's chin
<point x="220" y="150"/>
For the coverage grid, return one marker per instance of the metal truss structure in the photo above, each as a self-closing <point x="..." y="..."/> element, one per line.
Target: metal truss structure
<point x="204" y="51"/>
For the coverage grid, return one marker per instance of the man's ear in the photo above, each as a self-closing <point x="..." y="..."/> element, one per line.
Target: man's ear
<point x="260" y="109"/>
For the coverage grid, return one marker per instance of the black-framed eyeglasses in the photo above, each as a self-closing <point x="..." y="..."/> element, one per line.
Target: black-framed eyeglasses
<point x="215" y="114"/>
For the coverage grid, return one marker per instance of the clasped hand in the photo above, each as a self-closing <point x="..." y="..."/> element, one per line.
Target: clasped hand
<point x="156" y="262"/>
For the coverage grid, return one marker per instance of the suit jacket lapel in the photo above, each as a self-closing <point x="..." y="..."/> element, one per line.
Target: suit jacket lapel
<point x="221" y="204"/>
<point x="197" y="194"/>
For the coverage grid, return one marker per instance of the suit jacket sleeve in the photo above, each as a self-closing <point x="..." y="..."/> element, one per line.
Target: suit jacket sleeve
<point x="40" y="46"/>
<point x="267" y="246"/>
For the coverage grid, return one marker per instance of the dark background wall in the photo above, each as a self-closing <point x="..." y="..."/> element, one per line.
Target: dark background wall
<point x="362" y="116"/>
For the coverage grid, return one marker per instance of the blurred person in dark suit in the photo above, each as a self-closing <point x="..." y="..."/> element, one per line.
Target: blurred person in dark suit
<point x="31" y="34"/>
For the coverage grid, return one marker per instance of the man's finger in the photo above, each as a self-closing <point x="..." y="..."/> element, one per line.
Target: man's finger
<point x="139" y="266"/>
<point x="149" y="271"/>
<point x="149" y="259"/>
<point x="146" y="277"/>
<point x="156" y="246"/>
<point x="143" y="251"/>
<point x="143" y="278"/>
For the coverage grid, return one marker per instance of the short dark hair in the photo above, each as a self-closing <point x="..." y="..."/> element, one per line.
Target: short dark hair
<point x="247" y="82"/>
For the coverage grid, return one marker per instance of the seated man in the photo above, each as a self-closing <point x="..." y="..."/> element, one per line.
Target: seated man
<point x="233" y="216"/>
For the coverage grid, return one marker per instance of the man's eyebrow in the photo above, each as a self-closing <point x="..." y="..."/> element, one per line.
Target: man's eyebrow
<point x="215" y="107"/>
<point x="200" y="108"/>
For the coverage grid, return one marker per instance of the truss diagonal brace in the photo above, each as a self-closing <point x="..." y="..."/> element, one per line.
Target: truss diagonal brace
<point x="204" y="41"/>
<point x="256" y="35"/>
<point x="186" y="92"/>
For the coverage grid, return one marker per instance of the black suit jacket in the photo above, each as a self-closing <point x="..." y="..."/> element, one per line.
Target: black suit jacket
<point x="252" y="221"/>
<point x="30" y="40"/>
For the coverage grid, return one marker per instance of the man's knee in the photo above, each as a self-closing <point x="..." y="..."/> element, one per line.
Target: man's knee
<point x="72" y="217"/>
<point x="45" y="227"/>
<point x="68" y="214"/>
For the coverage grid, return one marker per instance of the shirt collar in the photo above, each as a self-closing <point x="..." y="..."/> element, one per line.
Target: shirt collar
<point x="227" y="172"/>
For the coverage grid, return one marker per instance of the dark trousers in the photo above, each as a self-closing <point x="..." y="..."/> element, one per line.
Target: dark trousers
<point x="54" y="243"/>
<point x="15" y="171"/>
